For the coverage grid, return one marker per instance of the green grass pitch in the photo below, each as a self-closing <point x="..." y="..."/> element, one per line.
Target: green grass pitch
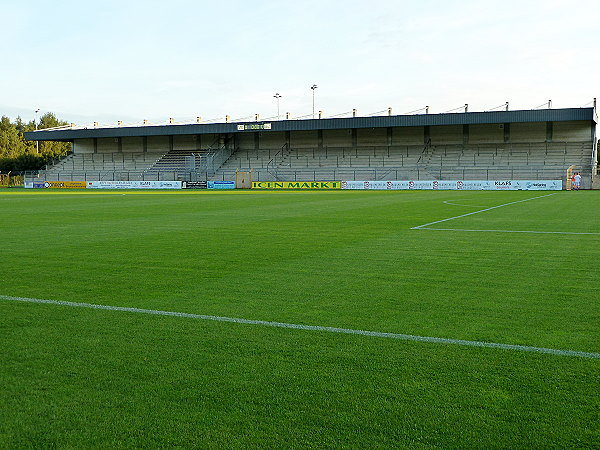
<point x="79" y="377"/>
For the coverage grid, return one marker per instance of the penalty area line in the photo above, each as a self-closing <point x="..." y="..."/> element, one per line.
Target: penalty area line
<point x="512" y="231"/>
<point x="448" y="202"/>
<point x="420" y="227"/>
<point x="402" y="337"/>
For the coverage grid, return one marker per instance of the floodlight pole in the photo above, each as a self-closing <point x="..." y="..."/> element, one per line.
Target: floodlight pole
<point x="313" y="87"/>
<point x="277" y="96"/>
<point x="37" y="143"/>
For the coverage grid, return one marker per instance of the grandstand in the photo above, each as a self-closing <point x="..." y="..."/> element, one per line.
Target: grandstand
<point x="528" y="144"/>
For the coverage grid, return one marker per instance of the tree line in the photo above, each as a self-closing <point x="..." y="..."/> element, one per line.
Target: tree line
<point x="17" y="154"/>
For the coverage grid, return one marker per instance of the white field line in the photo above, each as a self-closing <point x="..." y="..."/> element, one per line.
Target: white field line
<point x="403" y="337"/>
<point x="448" y="202"/>
<point x="480" y="211"/>
<point x="426" y="226"/>
<point x="509" y="231"/>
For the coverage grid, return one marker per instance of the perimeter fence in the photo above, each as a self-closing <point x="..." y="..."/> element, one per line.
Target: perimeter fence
<point x="416" y="173"/>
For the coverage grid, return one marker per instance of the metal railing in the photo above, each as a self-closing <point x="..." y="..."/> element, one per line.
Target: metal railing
<point x="115" y="175"/>
<point x="56" y="161"/>
<point x="415" y="172"/>
<point x="212" y="161"/>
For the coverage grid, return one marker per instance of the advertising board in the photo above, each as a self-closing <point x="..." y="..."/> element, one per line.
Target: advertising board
<point x="467" y="185"/>
<point x="134" y="184"/>
<point x="296" y="184"/>
<point x="254" y="126"/>
<point x="194" y="185"/>
<point x="65" y="184"/>
<point x="54" y="184"/>
<point x="221" y="185"/>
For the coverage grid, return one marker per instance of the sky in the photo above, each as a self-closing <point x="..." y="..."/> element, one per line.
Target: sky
<point x="132" y="60"/>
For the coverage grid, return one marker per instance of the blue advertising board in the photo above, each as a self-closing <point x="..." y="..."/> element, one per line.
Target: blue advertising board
<point x="221" y="185"/>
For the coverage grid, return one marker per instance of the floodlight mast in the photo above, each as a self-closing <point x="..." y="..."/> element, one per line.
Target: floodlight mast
<point x="277" y="96"/>
<point x="313" y="87"/>
<point x="37" y="143"/>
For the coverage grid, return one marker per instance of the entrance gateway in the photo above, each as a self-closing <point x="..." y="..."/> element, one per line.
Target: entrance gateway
<point x="243" y="180"/>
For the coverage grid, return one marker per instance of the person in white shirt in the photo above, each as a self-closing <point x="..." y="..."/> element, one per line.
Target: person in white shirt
<point x="577" y="181"/>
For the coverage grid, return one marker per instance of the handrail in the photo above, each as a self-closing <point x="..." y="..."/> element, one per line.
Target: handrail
<point x="59" y="159"/>
<point x="271" y="164"/>
<point x="425" y="148"/>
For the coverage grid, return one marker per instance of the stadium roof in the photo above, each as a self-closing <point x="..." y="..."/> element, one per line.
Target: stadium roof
<point x="469" y="118"/>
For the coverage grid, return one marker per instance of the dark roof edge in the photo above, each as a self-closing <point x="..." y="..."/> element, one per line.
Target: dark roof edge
<point x="471" y="118"/>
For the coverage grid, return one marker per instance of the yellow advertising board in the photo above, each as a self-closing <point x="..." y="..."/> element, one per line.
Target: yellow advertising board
<point x="65" y="184"/>
<point x="296" y="185"/>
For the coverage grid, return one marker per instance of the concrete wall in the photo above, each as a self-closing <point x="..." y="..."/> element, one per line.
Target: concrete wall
<point x="274" y="140"/>
<point x="372" y="136"/>
<point x="572" y="131"/>
<point x="132" y="144"/>
<point x="245" y="141"/>
<point x="446" y="134"/>
<point x="337" y="138"/>
<point x="158" y="144"/>
<point x="486" y="134"/>
<point x="408" y="136"/>
<point x="108" y="145"/>
<point x="208" y="141"/>
<point x="306" y="139"/>
<point x="83" y="146"/>
<point x="185" y="142"/>
<point x="528" y="132"/>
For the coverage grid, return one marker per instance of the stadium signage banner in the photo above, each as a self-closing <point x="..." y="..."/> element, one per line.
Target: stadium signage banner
<point x="65" y="184"/>
<point x="134" y="184"/>
<point x="221" y="185"/>
<point x="296" y="184"/>
<point x="55" y="184"/>
<point x="467" y="185"/>
<point x="254" y="126"/>
<point x="194" y="185"/>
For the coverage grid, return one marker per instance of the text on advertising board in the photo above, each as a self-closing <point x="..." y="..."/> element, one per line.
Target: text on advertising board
<point x="134" y="184"/>
<point x="194" y="185"/>
<point x="64" y="184"/>
<point x="254" y="126"/>
<point x="221" y="185"/>
<point x="296" y="184"/>
<point x="496" y="185"/>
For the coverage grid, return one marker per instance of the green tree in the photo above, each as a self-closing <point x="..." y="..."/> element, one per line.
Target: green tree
<point x="52" y="149"/>
<point x="17" y="154"/>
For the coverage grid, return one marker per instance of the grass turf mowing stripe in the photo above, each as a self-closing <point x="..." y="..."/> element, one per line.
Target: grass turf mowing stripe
<point x="421" y="227"/>
<point x="404" y="337"/>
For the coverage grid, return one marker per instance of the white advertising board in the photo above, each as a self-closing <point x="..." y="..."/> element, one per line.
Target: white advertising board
<point x="467" y="185"/>
<point x="133" y="185"/>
